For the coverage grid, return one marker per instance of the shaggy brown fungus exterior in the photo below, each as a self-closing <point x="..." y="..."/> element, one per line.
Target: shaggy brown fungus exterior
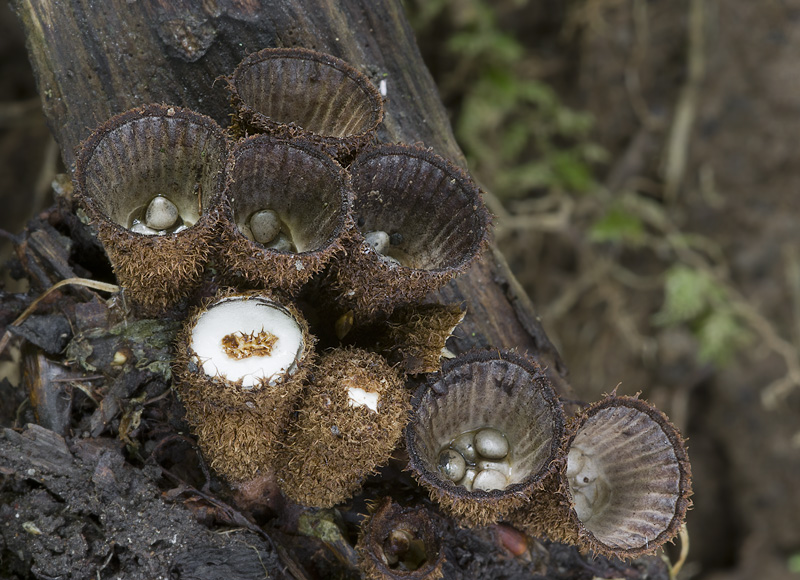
<point x="414" y="336"/>
<point x="625" y="487"/>
<point x="296" y="92"/>
<point x="422" y="221"/>
<point x="350" y="419"/>
<point x="148" y="180"/>
<point x="399" y="543"/>
<point x="484" y="434"/>
<point x="286" y="211"/>
<point x="239" y="368"/>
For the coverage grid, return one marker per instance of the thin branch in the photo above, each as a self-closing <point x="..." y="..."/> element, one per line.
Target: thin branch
<point x="677" y="150"/>
<point x="94" y="284"/>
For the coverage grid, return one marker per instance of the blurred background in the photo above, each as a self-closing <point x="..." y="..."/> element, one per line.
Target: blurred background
<point x="641" y="159"/>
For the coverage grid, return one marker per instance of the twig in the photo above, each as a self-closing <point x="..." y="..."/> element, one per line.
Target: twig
<point x="556" y="221"/>
<point x="239" y="519"/>
<point x="791" y="258"/>
<point x="633" y="83"/>
<point x="8" y="235"/>
<point x="46" y="174"/>
<point x="677" y="150"/>
<point x="71" y="379"/>
<point x="94" y="284"/>
<point x="675" y="569"/>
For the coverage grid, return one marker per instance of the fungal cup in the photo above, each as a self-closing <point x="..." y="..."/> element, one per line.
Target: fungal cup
<point x="348" y="422"/>
<point x="627" y="472"/>
<point x="149" y="180"/>
<point x="291" y="92"/>
<point x="484" y="435"/>
<point x="240" y="365"/>
<point x="421" y="222"/>
<point x="286" y="210"/>
<point x="398" y="542"/>
<point x="625" y="488"/>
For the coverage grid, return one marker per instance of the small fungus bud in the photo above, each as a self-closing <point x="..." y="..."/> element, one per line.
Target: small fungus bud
<point x="120" y="358"/>
<point x="452" y="465"/>
<point x="161" y="213"/>
<point x="489" y="479"/>
<point x="378" y="241"/>
<point x="491" y="443"/>
<point x="265" y="226"/>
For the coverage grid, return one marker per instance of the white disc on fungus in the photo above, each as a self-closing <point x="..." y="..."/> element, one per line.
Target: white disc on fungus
<point x="249" y="340"/>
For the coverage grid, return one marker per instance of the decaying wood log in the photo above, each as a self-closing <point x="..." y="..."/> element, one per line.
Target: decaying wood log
<point x="93" y="60"/>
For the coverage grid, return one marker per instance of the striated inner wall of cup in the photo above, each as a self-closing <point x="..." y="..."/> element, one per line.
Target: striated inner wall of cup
<point x="624" y="476"/>
<point x="313" y="94"/>
<point x="155" y="156"/>
<point x="495" y="394"/>
<point x="304" y="189"/>
<point x="429" y="214"/>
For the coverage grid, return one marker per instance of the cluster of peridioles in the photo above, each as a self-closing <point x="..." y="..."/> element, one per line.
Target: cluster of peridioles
<point x="298" y="197"/>
<point x="614" y="479"/>
<point x="295" y="201"/>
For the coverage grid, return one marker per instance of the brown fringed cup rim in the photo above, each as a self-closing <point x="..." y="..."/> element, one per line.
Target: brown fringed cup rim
<point x="248" y="120"/>
<point x="479" y="507"/>
<point x="392" y="285"/>
<point x="174" y="262"/>
<point x="375" y="530"/>
<point x="248" y="262"/>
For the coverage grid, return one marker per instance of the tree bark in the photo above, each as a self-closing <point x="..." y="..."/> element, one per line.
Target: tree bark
<point x="95" y="59"/>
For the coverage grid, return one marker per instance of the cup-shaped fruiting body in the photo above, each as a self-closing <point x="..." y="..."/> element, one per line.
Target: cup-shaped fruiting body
<point x="414" y="336"/>
<point x="421" y="221"/>
<point x="239" y="368"/>
<point x="350" y="419"/>
<point x="484" y="434"/>
<point x="285" y="211"/>
<point x="148" y="180"/>
<point x="625" y="487"/>
<point x="399" y="543"/>
<point x="291" y="92"/>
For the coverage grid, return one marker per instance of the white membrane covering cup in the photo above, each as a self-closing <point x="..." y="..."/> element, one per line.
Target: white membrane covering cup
<point x="240" y="316"/>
